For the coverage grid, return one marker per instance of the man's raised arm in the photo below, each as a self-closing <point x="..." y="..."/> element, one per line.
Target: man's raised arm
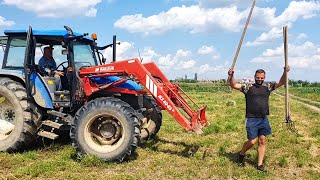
<point x="232" y="81"/>
<point x="282" y="80"/>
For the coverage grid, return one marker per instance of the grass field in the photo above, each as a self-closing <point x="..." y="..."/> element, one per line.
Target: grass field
<point x="312" y="93"/>
<point x="176" y="154"/>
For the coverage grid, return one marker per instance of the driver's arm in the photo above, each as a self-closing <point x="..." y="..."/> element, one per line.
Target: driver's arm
<point x="59" y="73"/>
<point x="43" y="69"/>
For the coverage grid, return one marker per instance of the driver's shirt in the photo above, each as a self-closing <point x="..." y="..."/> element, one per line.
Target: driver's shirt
<point x="45" y="65"/>
<point x="257" y="99"/>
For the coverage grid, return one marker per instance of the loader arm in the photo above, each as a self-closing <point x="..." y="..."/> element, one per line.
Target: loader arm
<point x="167" y="95"/>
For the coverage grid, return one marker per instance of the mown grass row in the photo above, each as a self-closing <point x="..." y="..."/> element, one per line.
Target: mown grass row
<point x="311" y="93"/>
<point x="177" y="154"/>
<point x="204" y="87"/>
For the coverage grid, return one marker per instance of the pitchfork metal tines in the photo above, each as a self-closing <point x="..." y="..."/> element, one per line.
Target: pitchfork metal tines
<point x="289" y="125"/>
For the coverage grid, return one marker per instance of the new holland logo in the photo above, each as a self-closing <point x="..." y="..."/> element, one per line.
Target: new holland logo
<point x="151" y="86"/>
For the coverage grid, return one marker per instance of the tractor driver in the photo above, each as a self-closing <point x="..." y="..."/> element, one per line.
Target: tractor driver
<point x="48" y="66"/>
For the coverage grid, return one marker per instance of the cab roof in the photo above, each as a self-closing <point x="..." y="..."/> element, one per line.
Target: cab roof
<point x="53" y="33"/>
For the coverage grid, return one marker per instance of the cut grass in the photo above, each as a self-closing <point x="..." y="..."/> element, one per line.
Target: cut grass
<point x="177" y="154"/>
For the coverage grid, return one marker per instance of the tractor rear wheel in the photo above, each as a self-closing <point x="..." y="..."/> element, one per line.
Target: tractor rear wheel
<point x="152" y="120"/>
<point x="107" y="128"/>
<point x="18" y="117"/>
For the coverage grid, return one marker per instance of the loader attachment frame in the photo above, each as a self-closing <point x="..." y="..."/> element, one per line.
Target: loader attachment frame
<point x="169" y="96"/>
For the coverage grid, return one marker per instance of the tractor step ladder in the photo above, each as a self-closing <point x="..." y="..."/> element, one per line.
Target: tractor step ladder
<point x="55" y="125"/>
<point x="48" y="134"/>
<point x="65" y="117"/>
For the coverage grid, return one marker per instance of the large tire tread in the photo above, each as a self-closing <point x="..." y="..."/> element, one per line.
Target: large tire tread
<point x="123" y="107"/>
<point x="27" y="136"/>
<point x="149" y="102"/>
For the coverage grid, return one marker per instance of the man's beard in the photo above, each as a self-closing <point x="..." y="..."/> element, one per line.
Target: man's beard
<point x="259" y="82"/>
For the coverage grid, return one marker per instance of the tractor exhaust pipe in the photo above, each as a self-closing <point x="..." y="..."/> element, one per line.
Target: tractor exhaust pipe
<point x="114" y="45"/>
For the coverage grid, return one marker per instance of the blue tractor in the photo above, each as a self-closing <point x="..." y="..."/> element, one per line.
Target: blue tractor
<point x="106" y="108"/>
<point x="106" y="124"/>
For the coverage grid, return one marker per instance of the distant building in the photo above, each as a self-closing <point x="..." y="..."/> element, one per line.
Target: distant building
<point x="247" y="80"/>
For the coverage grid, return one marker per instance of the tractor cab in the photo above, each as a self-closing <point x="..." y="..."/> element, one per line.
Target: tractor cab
<point x="71" y="52"/>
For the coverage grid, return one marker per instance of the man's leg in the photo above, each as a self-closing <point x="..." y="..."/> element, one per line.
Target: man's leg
<point x="261" y="149"/>
<point x="264" y="130"/>
<point x="252" y="134"/>
<point x="57" y="82"/>
<point x="247" y="145"/>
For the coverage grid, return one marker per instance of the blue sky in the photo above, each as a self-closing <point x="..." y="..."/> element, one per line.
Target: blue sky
<point x="184" y="37"/>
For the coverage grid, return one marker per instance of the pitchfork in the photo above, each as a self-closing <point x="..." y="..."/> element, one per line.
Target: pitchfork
<point x="289" y="123"/>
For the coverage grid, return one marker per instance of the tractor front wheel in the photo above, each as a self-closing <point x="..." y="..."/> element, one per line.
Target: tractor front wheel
<point x="107" y="128"/>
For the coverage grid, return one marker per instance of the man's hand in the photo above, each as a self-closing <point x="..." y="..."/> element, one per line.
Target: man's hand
<point x="282" y="80"/>
<point x="230" y="72"/>
<point x="59" y="73"/>
<point x="286" y="69"/>
<point x="232" y="82"/>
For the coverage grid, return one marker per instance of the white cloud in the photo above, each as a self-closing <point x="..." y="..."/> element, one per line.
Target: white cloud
<point x="297" y="9"/>
<point x="267" y="18"/>
<point x="279" y="51"/>
<point x="92" y="12"/>
<point x="204" y="50"/>
<point x="185" y="64"/>
<point x="181" y="60"/>
<point x="198" y="18"/>
<point x="263" y="59"/>
<point x="192" y="18"/>
<point x="124" y="51"/>
<point x="57" y="8"/>
<point x="265" y="37"/>
<point x="217" y="3"/>
<point x="306" y="55"/>
<point x="302" y="36"/>
<point x="166" y="61"/>
<point x="226" y="3"/>
<point x="149" y="55"/>
<point x="183" y="53"/>
<point x="206" y="68"/>
<point x="4" y="22"/>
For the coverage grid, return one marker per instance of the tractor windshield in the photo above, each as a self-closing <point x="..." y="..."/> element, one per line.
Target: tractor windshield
<point x="84" y="56"/>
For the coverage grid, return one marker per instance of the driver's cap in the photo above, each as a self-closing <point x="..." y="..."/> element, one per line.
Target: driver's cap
<point x="48" y="47"/>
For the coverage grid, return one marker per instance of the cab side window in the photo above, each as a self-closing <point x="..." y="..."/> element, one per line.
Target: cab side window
<point x="15" y="58"/>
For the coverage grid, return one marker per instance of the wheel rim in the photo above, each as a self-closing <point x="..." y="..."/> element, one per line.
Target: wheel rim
<point x="7" y="117"/>
<point x="104" y="133"/>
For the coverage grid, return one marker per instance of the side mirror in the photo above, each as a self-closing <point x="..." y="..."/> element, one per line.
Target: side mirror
<point x="64" y="52"/>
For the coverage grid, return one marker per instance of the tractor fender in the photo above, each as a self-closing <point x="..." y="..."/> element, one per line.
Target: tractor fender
<point x="129" y="84"/>
<point x="39" y="90"/>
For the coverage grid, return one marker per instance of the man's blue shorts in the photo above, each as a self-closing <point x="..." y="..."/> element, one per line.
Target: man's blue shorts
<point x="257" y="127"/>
